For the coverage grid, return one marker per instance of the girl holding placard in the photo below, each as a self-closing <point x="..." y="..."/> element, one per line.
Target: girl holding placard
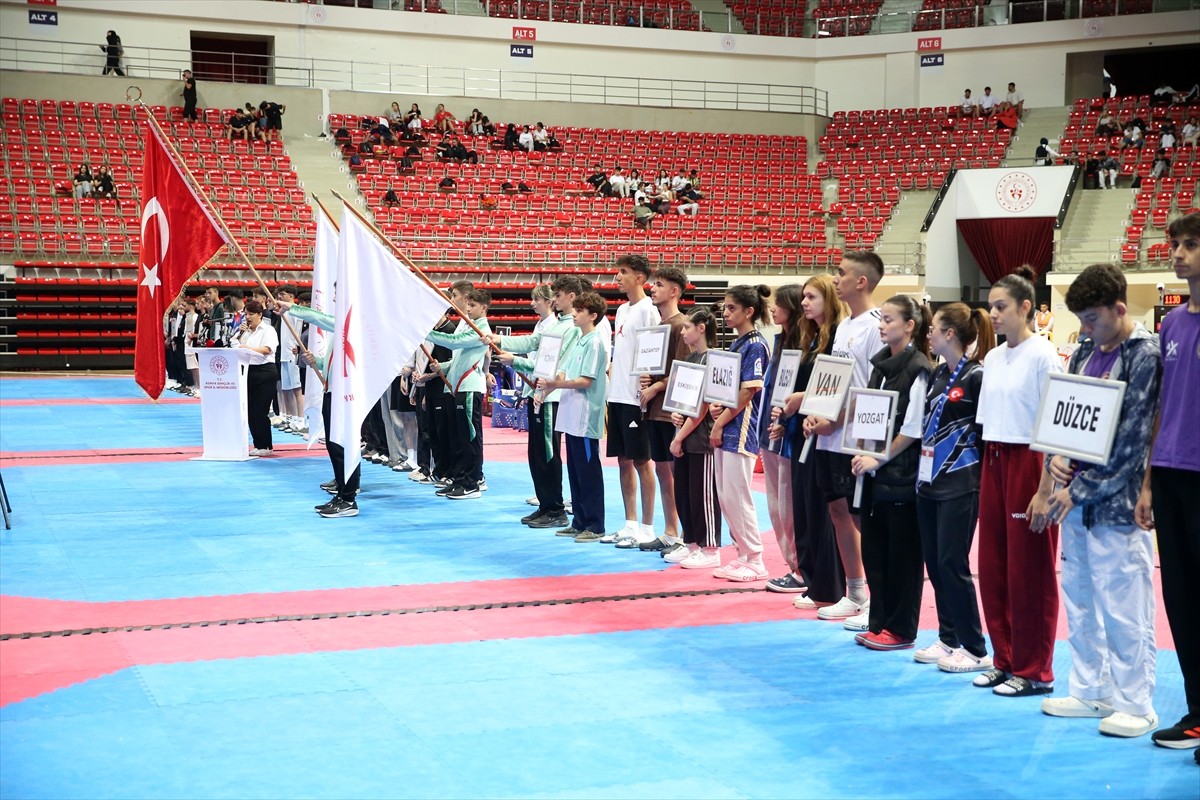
<point x="818" y="561"/>
<point x="891" y="539"/>
<point x="777" y="451"/>
<point x="735" y="434"/>
<point x="1017" y="583"/>
<point x="948" y="485"/>
<point x="695" y="478"/>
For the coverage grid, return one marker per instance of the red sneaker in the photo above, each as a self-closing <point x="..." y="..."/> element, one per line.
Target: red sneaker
<point x="886" y="640"/>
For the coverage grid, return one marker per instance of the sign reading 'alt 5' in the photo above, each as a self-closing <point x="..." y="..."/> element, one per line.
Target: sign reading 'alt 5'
<point x="1078" y="417"/>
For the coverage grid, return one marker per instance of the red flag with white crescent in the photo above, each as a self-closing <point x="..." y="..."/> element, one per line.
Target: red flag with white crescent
<point x="178" y="238"/>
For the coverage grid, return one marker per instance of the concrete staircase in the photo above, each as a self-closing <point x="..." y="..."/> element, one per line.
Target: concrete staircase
<point x="1038" y="123"/>
<point x="717" y="16"/>
<point x="900" y="244"/>
<point x="320" y="168"/>
<point x="1094" y="229"/>
<point x="894" y="17"/>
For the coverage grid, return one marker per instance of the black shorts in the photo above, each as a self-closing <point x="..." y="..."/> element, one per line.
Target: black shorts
<point x="834" y="478"/>
<point x="627" y="437"/>
<point x="661" y="435"/>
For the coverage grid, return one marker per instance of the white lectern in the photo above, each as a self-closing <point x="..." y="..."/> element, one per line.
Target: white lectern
<point x="223" y="402"/>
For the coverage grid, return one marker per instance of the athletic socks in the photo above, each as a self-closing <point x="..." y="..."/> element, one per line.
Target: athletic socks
<point x="856" y="589"/>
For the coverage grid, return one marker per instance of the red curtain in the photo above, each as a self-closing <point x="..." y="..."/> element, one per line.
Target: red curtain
<point x="1002" y="245"/>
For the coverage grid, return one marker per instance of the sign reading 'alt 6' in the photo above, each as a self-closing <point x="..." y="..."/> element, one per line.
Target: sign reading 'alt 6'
<point x="1078" y="417"/>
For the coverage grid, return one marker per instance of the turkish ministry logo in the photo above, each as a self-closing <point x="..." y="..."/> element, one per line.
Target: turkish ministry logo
<point x="1016" y="191"/>
<point x="161" y="231"/>
<point x="219" y="365"/>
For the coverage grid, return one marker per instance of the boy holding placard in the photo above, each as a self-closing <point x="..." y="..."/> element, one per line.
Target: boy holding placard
<point x="545" y="443"/>
<point x="1168" y="499"/>
<point x="1107" y="560"/>
<point x="583" y="378"/>
<point x="857" y="337"/>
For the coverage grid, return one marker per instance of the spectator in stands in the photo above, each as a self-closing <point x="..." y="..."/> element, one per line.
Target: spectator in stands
<point x="1107" y="124"/>
<point x="988" y="103"/>
<point x="525" y="140"/>
<point x="253" y="119"/>
<point x="620" y="186"/>
<point x="391" y="199"/>
<point x="541" y="137"/>
<point x="189" y="95"/>
<point x="113" y="52"/>
<point x="1162" y="164"/>
<point x="1109" y="168"/>
<point x="1007" y="117"/>
<point x="1133" y="137"/>
<point x="1015" y="99"/>
<point x="512" y="139"/>
<point x="443" y="120"/>
<point x="663" y="179"/>
<point x="83" y="182"/>
<point x="1044" y="155"/>
<point x="1165" y="95"/>
<point x="396" y="117"/>
<point x="643" y="214"/>
<point x="694" y="180"/>
<point x="968" y="106"/>
<point x="488" y="128"/>
<point x="475" y="123"/>
<point x="238" y="125"/>
<point x="689" y="206"/>
<point x="599" y="181"/>
<point x="273" y="114"/>
<point x="342" y="136"/>
<point x="631" y="20"/>
<point x="413" y="118"/>
<point x="1191" y="132"/>
<point x="105" y="187"/>
<point x="663" y="202"/>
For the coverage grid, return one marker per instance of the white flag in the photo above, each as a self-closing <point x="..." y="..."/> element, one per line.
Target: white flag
<point x="325" y="262"/>
<point x="384" y="312"/>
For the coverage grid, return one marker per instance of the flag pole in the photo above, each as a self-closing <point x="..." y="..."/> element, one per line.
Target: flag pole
<point x="409" y="262"/>
<point x="230" y="241"/>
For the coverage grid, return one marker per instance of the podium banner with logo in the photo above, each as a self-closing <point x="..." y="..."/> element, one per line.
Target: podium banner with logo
<point x="223" y="402"/>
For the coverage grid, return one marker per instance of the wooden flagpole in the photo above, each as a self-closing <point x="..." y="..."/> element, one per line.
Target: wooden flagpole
<point x="216" y="217"/>
<point x="409" y="262"/>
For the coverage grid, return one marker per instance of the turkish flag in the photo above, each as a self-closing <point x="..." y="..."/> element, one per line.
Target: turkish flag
<point x="178" y="238"/>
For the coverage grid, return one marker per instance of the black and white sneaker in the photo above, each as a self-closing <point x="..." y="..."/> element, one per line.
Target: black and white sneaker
<point x="340" y="508"/>
<point x="788" y="584"/>
<point x="461" y="493"/>
<point x="447" y="487"/>
<point x="325" y="506"/>
<point x="549" y="521"/>
<point x="483" y="485"/>
<point x="528" y="518"/>
<point x="330" y="486"/>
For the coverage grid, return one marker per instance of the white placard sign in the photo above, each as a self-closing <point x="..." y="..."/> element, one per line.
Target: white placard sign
<point x="545" y="362"/>
<point x="685" y="389"/>
<point x="650" y="357"/>
<point x="827" y="385"/>
<point x="723" y="382"/>
<point x="869" y="417"/>
<point x="785" y="377"/>
<point x="1078" y="417"/>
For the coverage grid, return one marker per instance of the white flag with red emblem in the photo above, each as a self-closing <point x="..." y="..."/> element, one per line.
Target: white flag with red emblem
<point x="178" y="238"/>
<point x="325" y="263"/>
<point x="384" y="312"/>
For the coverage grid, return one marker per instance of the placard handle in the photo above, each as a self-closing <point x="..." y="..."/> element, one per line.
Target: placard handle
<point x="808" y="442"/>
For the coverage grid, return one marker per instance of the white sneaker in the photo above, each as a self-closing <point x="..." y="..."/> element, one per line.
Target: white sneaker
<point x="1128" y="726"/>
<point x="723" y="572"/>
<point x="842" y="609"/>
<point x="746" y="572"/>
<point x="858" y="623"/>
<point x="932" y="654"/>
<point x="533" y="501"/>
<point x="678" y="554"/>
<point x="1076" y="707"/>
<point x="806" y="603"/>
<point x="698" y="559"/>
<point x="962" y="661"/>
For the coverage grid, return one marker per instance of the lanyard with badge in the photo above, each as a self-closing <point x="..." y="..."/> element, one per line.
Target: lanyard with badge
<point x="925" y="467"/>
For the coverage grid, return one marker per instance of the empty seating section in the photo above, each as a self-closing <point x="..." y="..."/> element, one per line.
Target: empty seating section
<point x="845" y="17"/>
<point x="760" y="207"/>
<point x="938" y="14"/>
<point x="76" y="258"/>
<point x="1111" y="8"/>
<point x="677" y="15"/>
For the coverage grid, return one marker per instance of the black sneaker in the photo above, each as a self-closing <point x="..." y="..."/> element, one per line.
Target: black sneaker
<point x="340" y="508"/>
<point x="655" y="545"/>
<point x="787" y="585"/>
<point x="462" y="493"/>
<point x="445" y="489"/>
<point x="325" y="506"/>
<point x="568" y="531"/>
<point x="1180" y="736"/>
<point x="549" y="521"/>
<point x="330" y="486"/>
<point x="528" y="518"/>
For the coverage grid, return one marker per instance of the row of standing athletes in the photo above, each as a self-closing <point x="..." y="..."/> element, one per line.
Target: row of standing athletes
<point x="960" y="456"/>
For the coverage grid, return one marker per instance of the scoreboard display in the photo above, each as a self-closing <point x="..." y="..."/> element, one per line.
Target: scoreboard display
<point x="1170" y="301"/>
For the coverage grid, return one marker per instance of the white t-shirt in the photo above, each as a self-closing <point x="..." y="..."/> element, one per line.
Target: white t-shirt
<point x="525" y="140"/>
<point x="856" y="338"/>
<point x="1014" y="98"/>
<point x="967" y="103"/>
<point x="604" y="331"/>
<point x="622" y="386"/>
<point x="1013" y="379"/>
<point x="989" y="101"/>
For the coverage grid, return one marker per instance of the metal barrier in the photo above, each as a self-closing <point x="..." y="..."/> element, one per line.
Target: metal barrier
<point x="409" y="79"/>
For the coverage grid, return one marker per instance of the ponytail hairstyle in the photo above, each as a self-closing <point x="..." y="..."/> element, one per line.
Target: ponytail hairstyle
<point x="542" y="292"/>
<point x="1018" y="284"/>
<point x="835" y="312"/>
<point x="704" y="316"/>
<point x="788" y="297"/>
<point x="970" y="326"/>
<point x="919" y="314"/>
<point x="752" y="297"/>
